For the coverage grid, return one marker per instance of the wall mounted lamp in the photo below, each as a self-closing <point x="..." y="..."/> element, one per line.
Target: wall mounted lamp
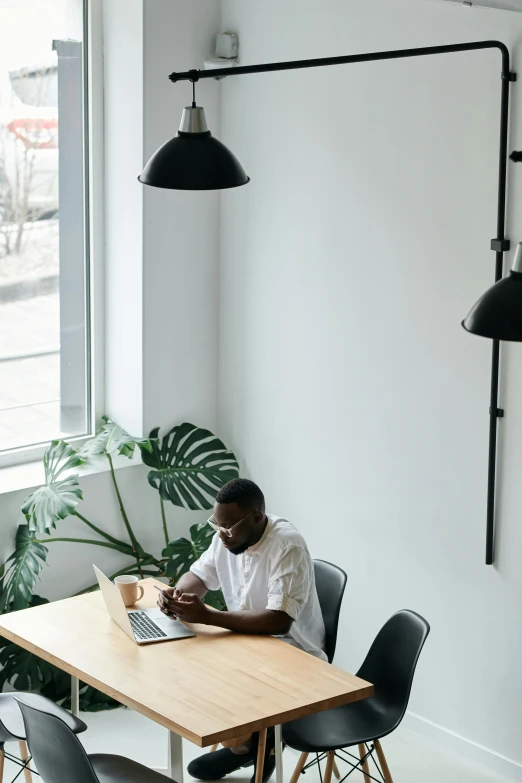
<point x="195" y="160"/>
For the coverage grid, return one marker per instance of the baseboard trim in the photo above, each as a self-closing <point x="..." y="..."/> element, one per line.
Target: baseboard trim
<point x="471" y="750"/>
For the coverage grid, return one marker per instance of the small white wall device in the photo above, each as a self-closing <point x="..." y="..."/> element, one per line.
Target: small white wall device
<point x="226" y="54"/>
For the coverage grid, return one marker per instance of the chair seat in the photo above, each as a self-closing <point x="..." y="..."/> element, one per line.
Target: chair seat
<point x="341" y="727"/>
<point x="11" y="720"/>
<point x="118" y="769"/>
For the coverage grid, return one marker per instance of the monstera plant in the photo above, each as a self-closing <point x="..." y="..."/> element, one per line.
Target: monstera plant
<point x="187" y="467"/>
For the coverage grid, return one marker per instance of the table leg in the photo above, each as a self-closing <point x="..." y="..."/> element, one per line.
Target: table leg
<point x="260" y="756"/>
<point x="75" y="695"/>
<point x="279" y="754"/>
<point x="175" y="758"/>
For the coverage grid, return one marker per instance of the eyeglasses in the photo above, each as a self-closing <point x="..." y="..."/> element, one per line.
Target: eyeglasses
<point x="227" y="531"/>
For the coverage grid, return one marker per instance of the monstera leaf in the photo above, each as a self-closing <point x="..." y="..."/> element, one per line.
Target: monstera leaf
<point x="21" y="571"/>
<point x="57" y="499"/>
<point x="111" y="438"/>
<point x="182" y="552"/>
<point x="60" y="457"/>
<point x="189" y="464"/>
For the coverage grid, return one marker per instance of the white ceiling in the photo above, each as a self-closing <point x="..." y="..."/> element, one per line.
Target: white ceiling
<point x="506" y="5"/>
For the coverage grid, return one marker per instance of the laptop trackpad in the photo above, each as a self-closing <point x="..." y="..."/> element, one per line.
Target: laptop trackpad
<point x="166" y="624"/>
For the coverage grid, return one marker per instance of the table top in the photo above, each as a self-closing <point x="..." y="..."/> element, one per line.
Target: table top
<point x="208" y="688"/>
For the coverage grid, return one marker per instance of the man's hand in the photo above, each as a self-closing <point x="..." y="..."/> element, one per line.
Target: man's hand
<point x="165" y="597"/>
<point x="187" y="606"/>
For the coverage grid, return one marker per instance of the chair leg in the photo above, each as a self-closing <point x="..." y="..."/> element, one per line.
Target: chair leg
<point x="2" y="760"/>
<point x="382" y="761"/>
<point x="364" y="766"/>
<point x="24" y="755"/>
<point x="260" y="756"/>
<point x="329" y="766"/>
<point x="298" y="769"/>
<point x="214" y="747"/>
<point x="335" y="770"/>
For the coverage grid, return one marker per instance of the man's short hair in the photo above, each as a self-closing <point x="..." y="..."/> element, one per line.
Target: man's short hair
<point x="244" y="492"/>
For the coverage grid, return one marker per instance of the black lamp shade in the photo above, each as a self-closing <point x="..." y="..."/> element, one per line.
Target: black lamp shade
<point x="194" y="161"/>
<point x="498" y="312"/>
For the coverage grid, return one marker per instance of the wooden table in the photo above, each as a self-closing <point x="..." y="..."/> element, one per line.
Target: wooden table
<point x="212" y="687"/>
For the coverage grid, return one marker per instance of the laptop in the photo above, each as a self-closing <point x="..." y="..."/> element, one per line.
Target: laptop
<point x="143" y="626"/>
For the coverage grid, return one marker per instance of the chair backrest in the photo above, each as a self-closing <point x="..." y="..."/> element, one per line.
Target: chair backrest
<point x="58" y="754"/>
<point x="391" y="662"/>
<point x="330" y="581"/>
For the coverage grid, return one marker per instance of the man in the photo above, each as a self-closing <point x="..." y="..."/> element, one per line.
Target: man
<point x="263" y="567"/>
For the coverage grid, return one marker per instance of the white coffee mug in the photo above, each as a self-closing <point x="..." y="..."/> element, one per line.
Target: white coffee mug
<point x="129" y="588"/>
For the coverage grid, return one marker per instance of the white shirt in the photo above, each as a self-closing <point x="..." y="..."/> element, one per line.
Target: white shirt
<point x="276" y="573"/>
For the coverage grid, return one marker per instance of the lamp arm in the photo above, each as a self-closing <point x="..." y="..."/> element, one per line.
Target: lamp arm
<point x="499" y="244"/>
<point x="394" y="54"/>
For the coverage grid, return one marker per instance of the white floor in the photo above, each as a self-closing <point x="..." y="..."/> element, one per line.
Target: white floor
<point x="411" y="758"/>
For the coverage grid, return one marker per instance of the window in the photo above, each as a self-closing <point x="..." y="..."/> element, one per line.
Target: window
<point x="45" y="362"/>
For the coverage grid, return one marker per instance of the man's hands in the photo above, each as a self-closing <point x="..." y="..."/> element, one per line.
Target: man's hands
<point x="184" y="602"/>
<point x="184" y="599"/>
<point x="187" y="606"/>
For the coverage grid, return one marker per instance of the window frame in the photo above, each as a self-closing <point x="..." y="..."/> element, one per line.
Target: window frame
<point x="94" y="235"/>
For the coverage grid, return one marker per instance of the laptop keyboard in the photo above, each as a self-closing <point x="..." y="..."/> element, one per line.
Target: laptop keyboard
<point x="144" y="628"/>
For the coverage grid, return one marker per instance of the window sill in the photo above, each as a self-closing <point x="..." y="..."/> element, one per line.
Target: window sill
<point x="29" y="475"/>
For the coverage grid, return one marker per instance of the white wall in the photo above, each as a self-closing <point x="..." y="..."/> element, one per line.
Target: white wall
<point x="162" y="247"/>
<point x="180" y="251"/>
<point x="347" y="386"/>
<point x="123" y="53"/>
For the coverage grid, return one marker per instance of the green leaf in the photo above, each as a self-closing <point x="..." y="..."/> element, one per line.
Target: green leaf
<point x="50" y="503"/>
<point x="190" y="465"/>
<point x="58" y="686"/>
<point x="58" y="458"/>
<point x="186" y="551"/>
<point x="22" y="569"/>
<point x="22" y="669"/>
<point x="182" y="552"/>
<point x="57" y="499"/>
<point x="111" y="438"/>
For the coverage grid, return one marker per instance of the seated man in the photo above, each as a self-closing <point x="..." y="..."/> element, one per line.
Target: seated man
<point x="262" y="565"/>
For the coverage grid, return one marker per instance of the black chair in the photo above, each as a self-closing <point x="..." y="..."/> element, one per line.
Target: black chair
<point x="12" y="726"/>
<point x="60" y="757"/>
<point x="330" y="581"/>
<point x="389" y="666"/>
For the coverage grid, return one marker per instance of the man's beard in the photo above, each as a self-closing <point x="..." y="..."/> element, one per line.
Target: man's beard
<point x="238" y="550"/>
